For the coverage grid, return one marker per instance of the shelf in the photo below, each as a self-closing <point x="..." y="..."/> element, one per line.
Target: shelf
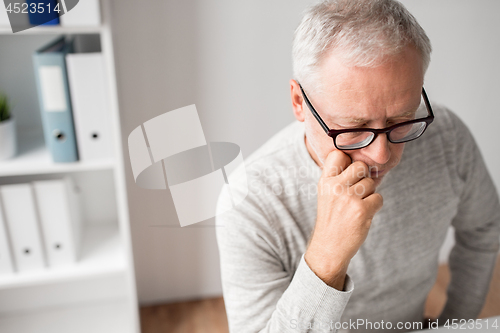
<point x="102" y="254"/>
<point x="40" y="30"/>
<point x="107" y="317"/>
<point x="34" y="158"/>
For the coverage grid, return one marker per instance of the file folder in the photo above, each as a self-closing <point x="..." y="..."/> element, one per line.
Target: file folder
<point x="6" y="262"/>
<point x="22" y="223"/>
<point x="54" y="99"/>
<point x="89" y="97"/>
<point x="59" y="218"/>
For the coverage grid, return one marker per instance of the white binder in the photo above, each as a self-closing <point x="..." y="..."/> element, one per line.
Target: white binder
<point x="60" y="220"/>
<point x="6" y="263"/>
<point x="86" y="74"/>
<point x="85" y="13"/>
<point x="23" y="227"/>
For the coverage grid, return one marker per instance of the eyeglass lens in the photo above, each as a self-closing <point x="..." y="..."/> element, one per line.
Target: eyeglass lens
<point x="356" y="140"/>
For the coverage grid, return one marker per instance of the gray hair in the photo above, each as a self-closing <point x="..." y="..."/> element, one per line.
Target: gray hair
<point x="362" y="32"/>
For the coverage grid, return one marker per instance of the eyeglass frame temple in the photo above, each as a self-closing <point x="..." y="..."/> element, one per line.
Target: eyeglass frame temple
<point x="313" y="111"/>
<point x="428" y="105"/>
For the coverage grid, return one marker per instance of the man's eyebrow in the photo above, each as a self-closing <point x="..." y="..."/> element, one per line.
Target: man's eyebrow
<point x="363" y="120"/>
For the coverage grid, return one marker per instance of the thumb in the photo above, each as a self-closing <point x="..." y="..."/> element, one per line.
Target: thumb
<point x="336" y="162"/>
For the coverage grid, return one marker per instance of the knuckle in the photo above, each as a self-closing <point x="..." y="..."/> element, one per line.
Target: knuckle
<point x="370" y="181"/>
<point x="358" y="207"/>
<point x="345" y="199"/>
<point x="379" y="201"/>
<point x="360" y="189"/>
<point x="335" y="154"/>
<point x="329" y="160"/>
<point x="360" y="168"/>
<point x="361" y="165"/>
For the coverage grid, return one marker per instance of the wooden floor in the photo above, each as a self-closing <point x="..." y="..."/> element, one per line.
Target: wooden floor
<point x="203" y="316"/>
<point x="209" y="315"/>
<point x="437" y="296"/>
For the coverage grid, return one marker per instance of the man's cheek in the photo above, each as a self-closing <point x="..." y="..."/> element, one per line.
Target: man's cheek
<point x="397" y="153"/>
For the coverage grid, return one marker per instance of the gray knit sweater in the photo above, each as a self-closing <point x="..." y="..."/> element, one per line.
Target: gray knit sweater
<point x="441" y="181"/>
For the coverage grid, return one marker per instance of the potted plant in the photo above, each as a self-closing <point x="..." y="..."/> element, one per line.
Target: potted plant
<point x="7" y="130"/>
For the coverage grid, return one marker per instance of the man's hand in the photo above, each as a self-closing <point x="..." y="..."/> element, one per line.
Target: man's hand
<point x="346" y="206"/>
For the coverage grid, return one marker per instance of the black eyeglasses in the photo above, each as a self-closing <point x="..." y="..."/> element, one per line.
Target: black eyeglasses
<point x="357" y="138"/>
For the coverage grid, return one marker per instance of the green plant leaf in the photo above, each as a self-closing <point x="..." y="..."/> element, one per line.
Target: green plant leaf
<point x="4" y="107"/>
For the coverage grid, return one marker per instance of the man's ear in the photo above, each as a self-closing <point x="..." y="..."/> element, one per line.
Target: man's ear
<point x="297" y="101"/>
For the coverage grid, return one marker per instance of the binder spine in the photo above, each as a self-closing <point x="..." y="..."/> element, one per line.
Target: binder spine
<point x="86" y="76"/>
<point x="6" y="260"/>
<point x="58" y="220"/>
<point x="55" y="105"/>
<point x="23" y="226"/>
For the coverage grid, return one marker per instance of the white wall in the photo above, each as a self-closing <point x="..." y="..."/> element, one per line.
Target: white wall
<point x="232" y="59"/>
<point x="465" y="70"/>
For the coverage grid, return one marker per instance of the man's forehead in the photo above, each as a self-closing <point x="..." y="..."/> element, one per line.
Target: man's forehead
<point x="395" y="71"/>
<point x="373" y="88"/>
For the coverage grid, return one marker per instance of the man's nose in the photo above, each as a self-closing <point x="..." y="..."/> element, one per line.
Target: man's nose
<point x="379" y="151"/>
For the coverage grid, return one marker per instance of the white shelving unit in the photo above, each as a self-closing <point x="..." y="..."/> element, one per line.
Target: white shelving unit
<point x="35" y="158"/>
<point x="54" y="30"/>
<point x="97" y="293"/>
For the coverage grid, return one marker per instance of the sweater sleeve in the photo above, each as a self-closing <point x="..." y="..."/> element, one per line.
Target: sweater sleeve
<point x="259" y="294"/>
<point x="477" y="231"/>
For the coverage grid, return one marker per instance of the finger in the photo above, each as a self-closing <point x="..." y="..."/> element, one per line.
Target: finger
<point x="363" y="188"/>
<point x="355" y="172"/>
<point x="375" y="202"/>
<point x="335" y="163"/>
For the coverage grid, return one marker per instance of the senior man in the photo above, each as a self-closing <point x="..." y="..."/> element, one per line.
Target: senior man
<point x="348" y="207"/>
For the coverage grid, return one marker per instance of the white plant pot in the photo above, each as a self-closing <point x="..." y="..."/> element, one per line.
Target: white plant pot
<point x="8" y="145"/>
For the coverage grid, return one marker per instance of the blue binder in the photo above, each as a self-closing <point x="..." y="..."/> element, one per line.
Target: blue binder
<point x="54" y="99"/>
<point x="43" y="12"/>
